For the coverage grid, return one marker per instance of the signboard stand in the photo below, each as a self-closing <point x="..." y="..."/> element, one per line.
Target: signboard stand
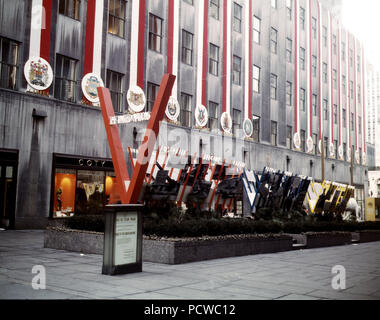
<point x="122" y="239"/>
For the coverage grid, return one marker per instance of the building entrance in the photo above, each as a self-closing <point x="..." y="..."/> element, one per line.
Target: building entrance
<point x="8" y="187"/>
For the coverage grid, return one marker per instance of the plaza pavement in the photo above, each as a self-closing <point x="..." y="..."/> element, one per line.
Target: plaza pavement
<point x="293" y="275"/>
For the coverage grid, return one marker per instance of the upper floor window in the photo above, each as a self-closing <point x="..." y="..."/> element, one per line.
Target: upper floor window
<point x="335" y="113"/>
<point x="314" y="66"/>
<point x="273" y="133"/>
<point x="314" y="27"/>
<point x="236" y="75"/>
<point x="151" y="96"/>
<point x="65" y="78"/>
<point x="214" y="9"/>
<point x="273" y="86"/>
<point x="289" y="9"/>
<point x="116" y="16"/>
<point x="256" y="79"/>
<point x="324" y="72"/>
<point x="237" y="17"/>
<point x="314" y="104"/>
<point x="256" y="29"/>
<point x="214" y="59"/>
<point x="303" y="99"/>
<point x="189" y="1"/>
<point x="69" y="8"/>
<point x="289" y="49"/>
<point x="325" y="110"/>
<point x="273" y="40"/>
<point x="8" y="63"/>
<point x="187" y="47"/>
<point x="186" y="107"/>
<point x="303" y="140"/>
<point x="302" y="58"/>
<point x="273" y="4"/>
<point x="334" y="44"/>
<point x="213" y="115"/>
<point x="236" y="120"/>
<point x="289" y="137"/>
<point x="343" y="51"/>
<point x="335" y="79"/>
<point x="302" y="18"/>
<point x="288" y="93"/>
<point x="324" y="35"/>
<point x="155" y="33"/>
<point x="115" y="85"/>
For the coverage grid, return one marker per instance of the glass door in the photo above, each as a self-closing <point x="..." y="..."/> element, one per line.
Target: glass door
<point x="7" y="196"/>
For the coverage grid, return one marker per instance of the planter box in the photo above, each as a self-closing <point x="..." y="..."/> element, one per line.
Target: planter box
<point x="177" y="251"/>
<point x="172" y="251"/>
<point x="322" y="239"/>
<point x="369" y="236"/>
<point x="74" y="240"/>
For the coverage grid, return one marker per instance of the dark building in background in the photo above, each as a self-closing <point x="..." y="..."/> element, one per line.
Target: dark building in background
<point x="288" y="66"/>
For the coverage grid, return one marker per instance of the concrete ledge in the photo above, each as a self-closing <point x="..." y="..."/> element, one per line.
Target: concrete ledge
<point x="173" y="251"/>
<point x="369" y="236"/>
<point x="322" y="239"/>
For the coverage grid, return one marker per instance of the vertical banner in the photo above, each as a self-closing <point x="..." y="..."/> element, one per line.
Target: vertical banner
<point x="356" y="102"/>
<point x="202" y="54"/>
<point x="320" y="68"/>
<point x="363" y="81"/>
<point x="348" y="96"/>
<point x="226" y="100"/>
<point x="173" y="41"/>
<point x="136" y="72"/>
<point x="340" y="147"/>
<point x="248" y="61"/>
<point x="330" y="82"/>
<point x="297" y="138"/>
<point x="309" y="90"/>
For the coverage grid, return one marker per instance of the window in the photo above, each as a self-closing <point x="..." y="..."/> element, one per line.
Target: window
<point x="343" y="51"/>
<point x="214" y="59"/>
<point x="360" y="124"/>
<point x="335" y="110"/>
<point x="186" y="107"/>
<point x="344" y="84"/>
<point x="335" y="80"/>
<point x="236" y="120"/>
<point x="326" y="145"/>
<point x="289" y="49"/>
<point x="289" y="137"/>
<point x="288" y="93"/>
<point x="189" y="1"/>
<point x="116" y="16"/>
<point x="65" y="79"/>
<point x="314" y="65"/>
<point x="289" y="6"/>
<point x="324" y="35"/>
<point x="314" y="104"/>
<point x="359" y="94"/>
<point x="344" y="116"/>
<point x="324" y="71"/>
<point x="303" y="140"/>
<point x="325" y="110"/>
<point x="214" y="9"/>
<point x="334" y="43"/>
<point x="115" y="84"/>
<point x="352" y="122"/>
<point x="315" y="143"/>
<point x="151" y="96"/>
<point x="256" y="79"/>
<point x="213" y="115"/>
<point x="351" y="57"/>
<point x="155" y="33"/>
<point x="187" y="47"/>
<point x="8" y="63"/>
<point x="358" y="63"/>
<point x="256" y="129"/>
<point x="69" y="8"/>
<point x="273" y="86"/>
<point x="352" y="89"/>
<point x="302" y="58"/>
<point x="256" y="30"/>
<point x="314" y="27"/>
<point x="236" y="75"/>
<point x="302" y="18"/>
<point x="344" y="151"/>
<point x="335" y="143"/>
<point x="273" y="4"/>
<point x="303" y="99"/>
<point x="273" y="40"/>
<point x="237" y="17"/>
<point x="273" y="131"/>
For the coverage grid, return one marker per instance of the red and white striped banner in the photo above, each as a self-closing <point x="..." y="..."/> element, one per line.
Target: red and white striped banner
<point x="226" y="96"/>
<point x="320" y="68"/>
<point x="202" y="54"/>
<point x="297" y="140"/>
<point x="364" y="156"/>
<point x="173" y="41"/>
<point x="248" y="61"/>
<point x="309" y="90"/>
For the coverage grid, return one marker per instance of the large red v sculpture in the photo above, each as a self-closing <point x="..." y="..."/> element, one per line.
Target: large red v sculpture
<point x="130" y="188"/>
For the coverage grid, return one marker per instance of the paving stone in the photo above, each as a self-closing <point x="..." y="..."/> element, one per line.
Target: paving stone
<point x="297" y="297"/>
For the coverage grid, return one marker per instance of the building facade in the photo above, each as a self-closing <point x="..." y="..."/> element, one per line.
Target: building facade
<point x="287" y="66"/>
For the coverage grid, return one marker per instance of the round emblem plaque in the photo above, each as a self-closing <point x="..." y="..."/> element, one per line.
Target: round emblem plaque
<point x="340" y="151"/>
<point x="90" y="84"/>
<point x="172" y="109"/>
<point x="331" y="149"/>
<point x="297" y="140"/>
<point x="136" y="99"/>
<point x="310" y="145"/>
<point x="38" y="73"/>
<point x="248" y="128"/>
<point x="226" y="122"/>
<point x="201" y="116"/>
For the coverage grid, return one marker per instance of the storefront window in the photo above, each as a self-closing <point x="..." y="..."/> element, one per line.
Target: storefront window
<point x="112" y="193"/>
<point x="64" y="192"/>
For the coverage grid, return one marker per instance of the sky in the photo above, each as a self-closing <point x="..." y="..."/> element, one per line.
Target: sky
<point x="361" y="17"/>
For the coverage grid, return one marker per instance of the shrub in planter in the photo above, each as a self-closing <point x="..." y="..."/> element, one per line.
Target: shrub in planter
<point x="86" y="222"/>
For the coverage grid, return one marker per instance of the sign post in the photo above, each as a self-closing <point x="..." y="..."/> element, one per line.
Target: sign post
<point x="122" y="239"/>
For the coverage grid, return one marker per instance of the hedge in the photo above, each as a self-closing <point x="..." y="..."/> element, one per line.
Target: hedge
<point x="222" y="226"/>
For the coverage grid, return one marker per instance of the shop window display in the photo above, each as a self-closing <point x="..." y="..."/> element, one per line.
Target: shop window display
<point x="64" y="191"/>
